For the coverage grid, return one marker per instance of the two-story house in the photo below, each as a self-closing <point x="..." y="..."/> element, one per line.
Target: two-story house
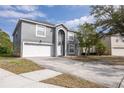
<point x="36" y="39"/>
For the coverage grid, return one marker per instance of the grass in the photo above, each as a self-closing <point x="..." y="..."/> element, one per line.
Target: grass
<point x="110" y="60"/>
<point x="71" y="82"/>
<point x="9" y="58"/>
<point x="18" y="65"/>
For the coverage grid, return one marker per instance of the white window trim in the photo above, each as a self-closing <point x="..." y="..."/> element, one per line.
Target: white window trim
<point x="37" y="32"/>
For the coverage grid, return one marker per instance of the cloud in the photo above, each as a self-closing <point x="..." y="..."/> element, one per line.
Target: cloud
<point x="50" y="6"/>
<point x="15" y="12"/>
<point x="6" y="7"/>
<point x="73" y="24"/>
<point x="19" y="7"/>
<point x="13" y="20"/>
<point x="26" y="7"/>
<point x="74" y="6"/>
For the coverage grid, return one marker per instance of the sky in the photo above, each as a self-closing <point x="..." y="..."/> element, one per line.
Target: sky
<point x="70" y="16"/>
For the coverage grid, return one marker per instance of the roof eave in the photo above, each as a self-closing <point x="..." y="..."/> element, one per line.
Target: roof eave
<point x="27" y="20"/>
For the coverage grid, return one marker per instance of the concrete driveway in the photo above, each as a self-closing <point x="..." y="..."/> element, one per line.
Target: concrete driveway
<point x="100" y="73"/>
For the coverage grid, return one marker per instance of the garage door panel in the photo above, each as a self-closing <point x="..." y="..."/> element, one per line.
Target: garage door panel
<point x="118" y="51"/>
<point x="36" y="50"/>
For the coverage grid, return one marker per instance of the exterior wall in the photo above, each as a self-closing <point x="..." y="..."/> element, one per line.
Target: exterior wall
<point x="17" y="41"/>
<point x="28" y="34"/>
<point x="117" y="45"/>
<point x="30" y="30"/>
<point x="117" y="41"/>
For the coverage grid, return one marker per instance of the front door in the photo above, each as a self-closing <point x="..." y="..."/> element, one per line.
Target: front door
<point x="61" y="43"/>
<point x="59" y="50"/>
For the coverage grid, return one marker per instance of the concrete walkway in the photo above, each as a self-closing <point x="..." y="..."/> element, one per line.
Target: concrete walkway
<point x="41" y="74"/>
<point x="11" y="80"/>
<point x="97" y="72"/>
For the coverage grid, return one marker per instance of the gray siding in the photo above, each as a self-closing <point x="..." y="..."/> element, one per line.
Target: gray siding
<point x="17" y="41"/>
<point x="54" y="40"/>
<point x="29" y="33"/>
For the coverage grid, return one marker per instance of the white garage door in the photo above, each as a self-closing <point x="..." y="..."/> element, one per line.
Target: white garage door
<point x="118" y="51"/>
<point x="33" y="50"/>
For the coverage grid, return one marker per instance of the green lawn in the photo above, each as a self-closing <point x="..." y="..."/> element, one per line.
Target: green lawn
<point x="18" y="65"/>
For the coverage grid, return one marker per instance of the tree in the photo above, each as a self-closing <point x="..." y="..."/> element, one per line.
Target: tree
<point x="5" y="43"/>
<point x="109" y="18"/>
<point x="87" y="37"/>
<point x="100" y="48"/>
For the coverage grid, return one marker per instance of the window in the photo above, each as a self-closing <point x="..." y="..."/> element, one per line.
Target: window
<point x="40" y="31"/>
<point x="71" y="48"/>
<point x="71" y="38"/>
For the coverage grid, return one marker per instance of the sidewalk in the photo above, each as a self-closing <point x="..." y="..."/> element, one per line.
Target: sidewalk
<point x="41" y="74"/>
<point x="26" y="80"/>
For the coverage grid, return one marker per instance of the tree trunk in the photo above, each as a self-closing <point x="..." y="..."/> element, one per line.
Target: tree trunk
<point x="86" y="51"/>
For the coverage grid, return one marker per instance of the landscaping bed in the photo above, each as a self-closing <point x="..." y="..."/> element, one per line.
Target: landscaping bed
<point x="110" y="60"/>
<point x="18" y="65"/>
<point x="71" y="82"/>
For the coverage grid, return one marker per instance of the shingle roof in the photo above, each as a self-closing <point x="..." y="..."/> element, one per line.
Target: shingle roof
<point x="39" y="21"/>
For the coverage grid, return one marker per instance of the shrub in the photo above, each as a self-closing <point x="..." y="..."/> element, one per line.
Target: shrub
<point x="100" y="48"/>
<point x="3" y="50"/>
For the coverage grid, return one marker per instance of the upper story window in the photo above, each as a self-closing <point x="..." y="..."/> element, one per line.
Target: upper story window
<point x="71" y="38"/>
<point x="40" y="31"/>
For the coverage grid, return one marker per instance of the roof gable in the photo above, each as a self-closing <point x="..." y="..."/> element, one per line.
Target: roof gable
<point x="62" y="26"/>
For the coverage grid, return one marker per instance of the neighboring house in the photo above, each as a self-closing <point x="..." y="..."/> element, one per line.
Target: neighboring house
<point x="35" y="39"/>
<point x="117" y="45"/>
<point x="114" y="44"/>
